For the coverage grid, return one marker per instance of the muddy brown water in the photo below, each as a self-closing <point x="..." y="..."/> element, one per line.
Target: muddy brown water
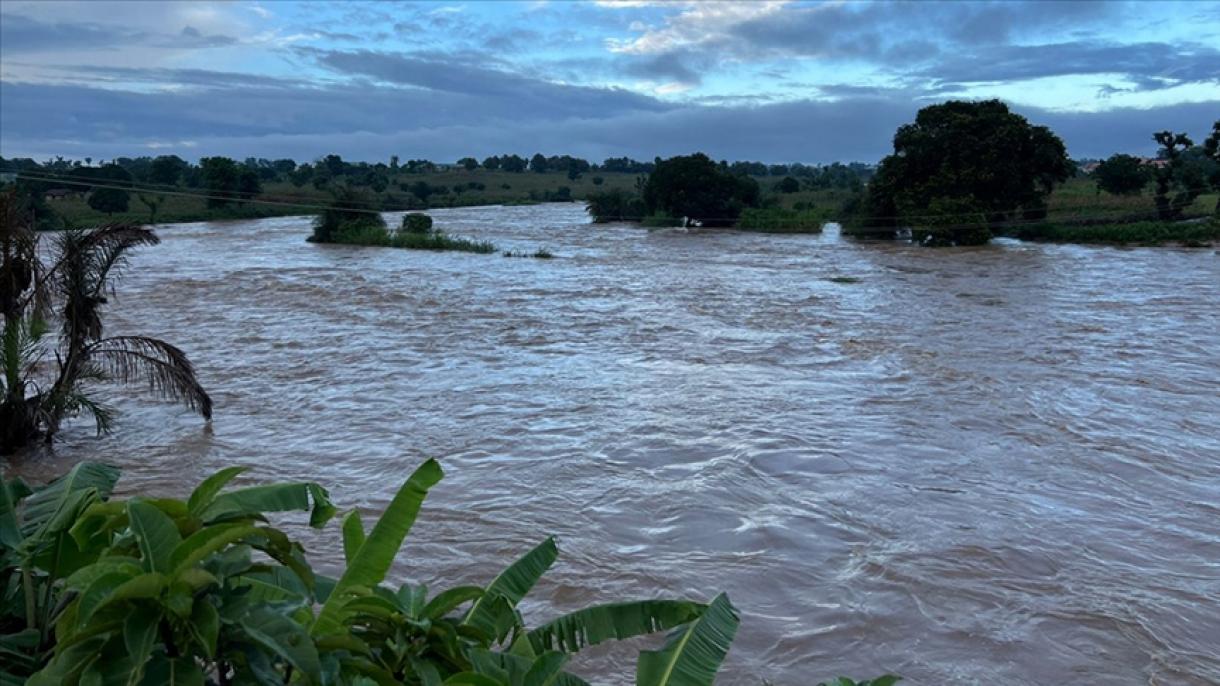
<point x="993" y="465"/>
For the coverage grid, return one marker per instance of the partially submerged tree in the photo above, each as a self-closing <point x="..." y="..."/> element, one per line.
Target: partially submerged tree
<point x="975" y="154"/>
<point x="351" y="211"/>
<point x="70" y="290"/>
<point x="695" y="187"/>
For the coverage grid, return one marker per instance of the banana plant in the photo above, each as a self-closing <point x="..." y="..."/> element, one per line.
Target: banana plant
<point x="404" y="638"/>
<point x="36" y="554"/>
<point x="173" y="592"/>
<point x="199" y="591"/>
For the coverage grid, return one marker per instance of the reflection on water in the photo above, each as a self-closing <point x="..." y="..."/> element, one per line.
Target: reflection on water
<point x="996" y="464"/>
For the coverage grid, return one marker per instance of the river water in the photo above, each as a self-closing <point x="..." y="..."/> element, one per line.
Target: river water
<point x="981" y="465"/>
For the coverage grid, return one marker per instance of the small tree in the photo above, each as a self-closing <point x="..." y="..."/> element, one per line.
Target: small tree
<point x="1121" y="175"/>
<point x="109" y="200"/>
<point x="469" y="163"/>
<point x="350" y="211"/>
<point x="788" y="185"/>
<point x="1168" y="176"/>
<point x="416" y="223"/>
<point x="597" y="180"/>
<point x="1211" y="148"/>
<point x="152" y="202"/>
<point x="694" y="186"/>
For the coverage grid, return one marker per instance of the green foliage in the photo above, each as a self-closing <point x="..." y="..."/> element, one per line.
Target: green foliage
<point x="788" y="185"/>
<point x="661" y="220"/>
<point x="222" y="179"/>
<point x="1122" y="175"/>
<point x="109" y="200"/>
<point x="416" y="223"/>
<point x="1143" y="233"/>
<point x="615" y="205"/>
<point x="951" y="221"/>
<point x="694" y="186"/>
<point x="779" y="220"/>
<point x="144" y="591"/>
<point x="976" y="153"/>
<point x="75" y="282"/>
<point x="349" y="214"/>
<point x="1172" y="178"/>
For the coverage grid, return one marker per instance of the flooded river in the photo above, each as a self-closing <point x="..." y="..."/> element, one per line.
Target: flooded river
<point x="989" y="465"/>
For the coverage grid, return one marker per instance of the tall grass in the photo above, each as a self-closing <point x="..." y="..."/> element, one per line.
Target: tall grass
<point x="1144" y="233"/>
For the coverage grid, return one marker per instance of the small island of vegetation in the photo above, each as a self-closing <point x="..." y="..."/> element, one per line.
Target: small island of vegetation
<point x="349" y="221"/>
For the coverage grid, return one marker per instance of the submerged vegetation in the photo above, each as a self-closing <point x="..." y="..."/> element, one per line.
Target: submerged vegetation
<point x="348" y="221"/>
<point x="52" y="303"/>
<point x="780" y="220"/>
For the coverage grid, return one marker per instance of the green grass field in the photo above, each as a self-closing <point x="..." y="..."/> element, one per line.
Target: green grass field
<point x="1075" y="204"/>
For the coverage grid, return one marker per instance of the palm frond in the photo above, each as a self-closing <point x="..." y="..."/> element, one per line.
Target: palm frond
<point x="166" y="369"/>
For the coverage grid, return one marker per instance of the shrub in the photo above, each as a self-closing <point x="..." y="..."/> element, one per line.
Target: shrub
<point x="659" y="220"/>
<point x="102" y="590"/>
<point x="349" y="213"/>
<point x="778" y="220"/>
<point x="109" y="200"/>
<point x="437" y="240"/>
<point x="416" y="223"/>
<point x="616" y="205"/>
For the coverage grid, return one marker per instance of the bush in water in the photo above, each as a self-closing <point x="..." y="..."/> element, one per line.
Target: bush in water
<point x="416" y="223"/>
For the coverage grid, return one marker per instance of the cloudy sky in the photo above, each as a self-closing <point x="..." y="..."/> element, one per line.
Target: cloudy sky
<point x="774" y="80"/>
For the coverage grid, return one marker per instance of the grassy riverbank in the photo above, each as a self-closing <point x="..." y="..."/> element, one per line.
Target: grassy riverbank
<point x="1188" y="233"/>
<point x="450" y="188"/>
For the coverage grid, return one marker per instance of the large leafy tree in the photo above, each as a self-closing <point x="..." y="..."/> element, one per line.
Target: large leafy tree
<point x="68" y="286"/>
<point x="976" y="154"/>
<point x="695" y="187"/>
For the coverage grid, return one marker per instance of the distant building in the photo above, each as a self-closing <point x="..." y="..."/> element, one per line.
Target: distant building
<point x="1154" y="162"/>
